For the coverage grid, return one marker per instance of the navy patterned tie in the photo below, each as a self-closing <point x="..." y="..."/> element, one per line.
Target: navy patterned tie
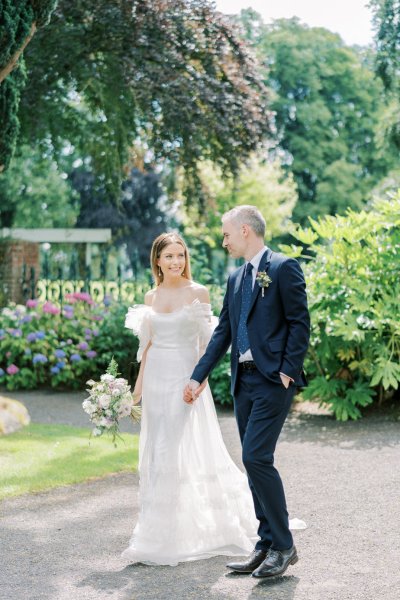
<point x="243" y="343"/>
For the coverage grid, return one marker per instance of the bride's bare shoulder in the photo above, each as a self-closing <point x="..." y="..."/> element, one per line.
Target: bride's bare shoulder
<point x="149" y="297"/>
<point x="199" y="292"/>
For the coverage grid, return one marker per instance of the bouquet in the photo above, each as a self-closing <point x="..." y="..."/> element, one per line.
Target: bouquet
<point x="110" y="399"/>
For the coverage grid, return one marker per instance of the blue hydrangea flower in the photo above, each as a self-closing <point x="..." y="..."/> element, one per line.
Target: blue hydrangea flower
<point x="40" y="335"/>
<point x="17" y="333"/>
<point x="83" y="346"/>
<point x="39" y="358"/>
<point x="31" y="337"/>
<point x="75" y="357"/>
<point x="26" y="319"/>
<point x="91" y="353"/>
<point x="60" y="365"/>
<point x="2" y="373"/>
<point x="59" y="353"/>
<point x="55" y="370"/>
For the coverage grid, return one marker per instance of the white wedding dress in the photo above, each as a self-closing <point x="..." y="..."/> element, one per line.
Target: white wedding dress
<point x="194" y="502"/>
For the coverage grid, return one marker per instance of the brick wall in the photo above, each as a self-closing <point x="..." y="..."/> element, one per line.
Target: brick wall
<point x="13" y="255"/>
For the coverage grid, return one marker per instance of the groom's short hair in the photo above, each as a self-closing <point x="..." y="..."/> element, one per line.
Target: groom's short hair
<point x="246" y="214"/>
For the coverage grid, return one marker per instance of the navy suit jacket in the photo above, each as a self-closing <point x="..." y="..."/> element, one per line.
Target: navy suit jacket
<point x="278" y="323"/>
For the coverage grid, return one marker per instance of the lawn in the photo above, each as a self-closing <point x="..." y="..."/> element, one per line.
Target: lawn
<point x="41" y="457"/>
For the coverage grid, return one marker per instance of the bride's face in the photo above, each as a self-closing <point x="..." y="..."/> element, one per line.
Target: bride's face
<point x="172" y="260"/>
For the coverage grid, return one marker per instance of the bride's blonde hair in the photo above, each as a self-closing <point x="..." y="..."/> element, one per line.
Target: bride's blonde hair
<point x="163" y="240"/>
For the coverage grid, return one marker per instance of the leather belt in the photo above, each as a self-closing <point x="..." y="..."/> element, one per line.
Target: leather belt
<point x="248" y="365"/>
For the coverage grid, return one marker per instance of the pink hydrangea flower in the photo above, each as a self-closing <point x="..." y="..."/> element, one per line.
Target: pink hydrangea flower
<point x="31" y="303"/>
<point x="50" y="308"/>
<point x="12" y="369"/>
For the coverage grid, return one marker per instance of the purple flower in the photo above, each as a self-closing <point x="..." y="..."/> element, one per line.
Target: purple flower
<point x="83" y="346"/>
<point x="96" y="332"/>
<point x="88" y="331"/>
<point x="75" y="357"/>
<point x="39" y="358"/>
<point x="2" y="373"/>
<point x="60" y="365"/>
<point x="107" y="301"/>
<point x="68" y="315"/>
<point x="54" y="370"/>
<point x="16" y="333"/>
<point x="97" y="317"/>
<point x="68" y="308"/>
<point x="31" y="337"/>
<point x="26" y="319"/>
<point x="59" y="353"/>
<point x="40" y="335"/>
<point x="12" y="369"/>
<point x="91" y="353"/>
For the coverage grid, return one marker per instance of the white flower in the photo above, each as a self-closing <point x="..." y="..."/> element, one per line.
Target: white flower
<point x="107" y="377"/>
<point x="96" y="431"/>
<point x="104" y="401"/>
<point x="90" y="382"/>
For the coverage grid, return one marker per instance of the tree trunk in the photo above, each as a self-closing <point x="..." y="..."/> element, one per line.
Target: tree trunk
<point x="6" y="70"/>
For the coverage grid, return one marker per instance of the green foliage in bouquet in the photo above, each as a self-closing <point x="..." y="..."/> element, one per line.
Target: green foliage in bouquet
<point x="353" y="281"/>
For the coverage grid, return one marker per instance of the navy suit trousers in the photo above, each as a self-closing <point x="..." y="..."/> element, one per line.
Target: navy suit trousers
<point x="261" y="408"/>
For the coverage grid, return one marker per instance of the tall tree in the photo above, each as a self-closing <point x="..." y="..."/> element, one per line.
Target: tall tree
<point x="173" y="73"/>
<point x="327" y="103"/>
<point x="387" y="38"/>
<point x="18" y="23"/>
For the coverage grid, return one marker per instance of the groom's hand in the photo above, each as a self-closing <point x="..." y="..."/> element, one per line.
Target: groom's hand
<point x="286" y="380"/>
<point x="193" y="390"/>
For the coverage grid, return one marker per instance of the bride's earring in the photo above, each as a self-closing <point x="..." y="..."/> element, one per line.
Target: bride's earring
<point x="159" y="272"/>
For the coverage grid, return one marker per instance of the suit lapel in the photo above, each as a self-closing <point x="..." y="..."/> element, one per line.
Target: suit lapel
<point x="263" y="266"/>
<point x="237" y="292"/>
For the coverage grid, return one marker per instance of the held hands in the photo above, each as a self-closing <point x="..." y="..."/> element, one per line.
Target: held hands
<point x="193" y="390"/>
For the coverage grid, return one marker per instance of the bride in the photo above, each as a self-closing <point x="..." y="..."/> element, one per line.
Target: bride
<point x="194" y="502"/>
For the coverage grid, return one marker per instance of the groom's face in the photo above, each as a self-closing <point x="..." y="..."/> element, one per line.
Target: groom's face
<point x="233" y="239"/>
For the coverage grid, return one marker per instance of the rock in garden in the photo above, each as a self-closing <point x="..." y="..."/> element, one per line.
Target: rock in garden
<point x="13" y="415"/>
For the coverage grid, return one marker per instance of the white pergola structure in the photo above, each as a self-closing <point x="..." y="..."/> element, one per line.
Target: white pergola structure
<point x="60" y="236"/>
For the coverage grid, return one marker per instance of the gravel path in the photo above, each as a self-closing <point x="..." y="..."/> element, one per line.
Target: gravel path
<point x="342" y="479"/>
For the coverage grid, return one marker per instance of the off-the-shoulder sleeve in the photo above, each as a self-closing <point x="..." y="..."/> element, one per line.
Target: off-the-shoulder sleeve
<point x="138" y="319"/>
<point x="202" y="313"/>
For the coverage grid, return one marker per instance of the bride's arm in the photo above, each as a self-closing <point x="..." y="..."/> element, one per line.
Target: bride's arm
<point x="137" y="391"/>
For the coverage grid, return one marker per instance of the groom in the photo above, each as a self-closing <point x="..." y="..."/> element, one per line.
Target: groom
<point x="265" y="319"/>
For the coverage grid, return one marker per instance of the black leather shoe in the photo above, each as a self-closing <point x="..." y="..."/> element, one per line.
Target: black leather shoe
<point x="276" y="562"/>
<point x="254" y="560"/>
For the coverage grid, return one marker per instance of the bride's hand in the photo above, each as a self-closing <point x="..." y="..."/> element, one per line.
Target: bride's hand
<point x="137" y="396"/>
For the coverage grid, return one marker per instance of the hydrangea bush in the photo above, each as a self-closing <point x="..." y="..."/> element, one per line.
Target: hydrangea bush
<point x="43" y="344"/>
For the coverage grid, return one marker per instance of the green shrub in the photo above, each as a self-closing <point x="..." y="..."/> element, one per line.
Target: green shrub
<point x="43" y="344"/>
<point x="353" y="280"/>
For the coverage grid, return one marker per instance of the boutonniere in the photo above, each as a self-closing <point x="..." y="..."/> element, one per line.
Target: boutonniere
<point x="263" y="280"/>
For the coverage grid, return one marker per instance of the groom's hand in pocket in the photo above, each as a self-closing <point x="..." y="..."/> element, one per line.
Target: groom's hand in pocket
<point x="286" y="380"/>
